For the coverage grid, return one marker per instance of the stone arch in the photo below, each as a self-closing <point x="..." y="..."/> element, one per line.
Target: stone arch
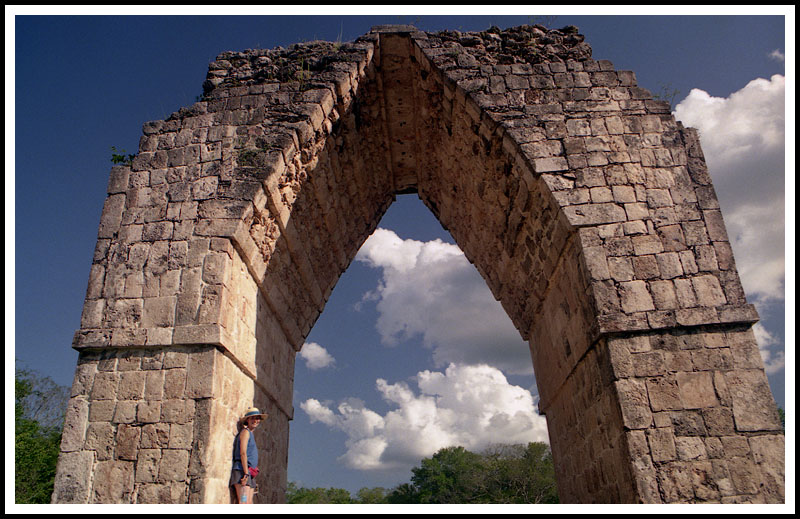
<point x="584" y="205"/>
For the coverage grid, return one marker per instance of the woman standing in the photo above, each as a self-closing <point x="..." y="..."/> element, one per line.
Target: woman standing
<point x="245" y="457"/>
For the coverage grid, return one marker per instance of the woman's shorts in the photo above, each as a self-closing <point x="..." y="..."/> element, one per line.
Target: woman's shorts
<point x="236" y="478"/>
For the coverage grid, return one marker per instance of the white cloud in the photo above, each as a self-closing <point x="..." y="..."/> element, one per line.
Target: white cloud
<point x="470" y="406"/>
<point x="429" y="289"/>
<point x="316" y="356"/>
<point x="743" y="139"/>
<point x="777" y="55"/>
<point x="774" y="361"/>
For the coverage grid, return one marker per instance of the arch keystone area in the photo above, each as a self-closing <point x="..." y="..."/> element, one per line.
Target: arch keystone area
<point x="584" y="205"/>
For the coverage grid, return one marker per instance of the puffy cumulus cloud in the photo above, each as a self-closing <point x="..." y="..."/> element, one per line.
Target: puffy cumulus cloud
<point x="774" y="361"/>
<point x="743" y="139"/>
<point x="315" y="356"/>
<point x="471" y="406"/>
<point x="429" y="289"/>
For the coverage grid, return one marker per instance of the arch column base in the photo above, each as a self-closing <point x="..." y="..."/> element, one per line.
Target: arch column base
<point x="668" y="416"/>
<point x="156" y="425"/>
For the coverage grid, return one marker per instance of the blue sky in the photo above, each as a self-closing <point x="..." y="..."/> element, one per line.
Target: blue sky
<point x="380" y="350"/>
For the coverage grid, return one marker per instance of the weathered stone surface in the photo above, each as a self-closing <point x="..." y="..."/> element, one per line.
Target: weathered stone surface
<point x="753" y="405"/>
<point x="73" y="480"/>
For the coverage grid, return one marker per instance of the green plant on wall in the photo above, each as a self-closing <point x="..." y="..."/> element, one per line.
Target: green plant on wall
<point x="304" y="74"/>
<point x="119" y="157"/>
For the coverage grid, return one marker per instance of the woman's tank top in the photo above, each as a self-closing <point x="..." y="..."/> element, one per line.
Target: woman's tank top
<point x="252" y="452"/>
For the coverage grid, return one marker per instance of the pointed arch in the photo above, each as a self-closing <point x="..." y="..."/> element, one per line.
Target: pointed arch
<point x="584" y="205"/>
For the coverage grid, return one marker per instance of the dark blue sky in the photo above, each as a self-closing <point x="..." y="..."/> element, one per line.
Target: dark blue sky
<point x="83" y="84"/>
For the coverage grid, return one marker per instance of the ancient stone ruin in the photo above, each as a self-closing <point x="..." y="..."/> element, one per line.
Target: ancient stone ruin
<point x="586" y="207"/>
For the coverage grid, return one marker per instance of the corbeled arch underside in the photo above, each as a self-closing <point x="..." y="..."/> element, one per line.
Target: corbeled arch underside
<point x="585" y="206"/>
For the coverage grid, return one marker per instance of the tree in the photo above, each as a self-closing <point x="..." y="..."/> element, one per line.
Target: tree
<point x="500" y="474"/>
<point x="452" y="475"/>
<point x="38" y="421"/>
<point x="404" y="493"/>
<point x="318" y="495"/>
<point x="520" y="474"/>
<point x="375" y="495"/>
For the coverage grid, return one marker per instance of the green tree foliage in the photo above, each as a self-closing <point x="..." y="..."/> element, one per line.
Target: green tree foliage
<point x="452" y="475"/>
<point x="302" y="495"/>
<point x="520" y="474"/>
<point x="375" y="495"/>
<point x="318" y="495"/>
<point x="38" y="421"/>
<point x="500" y="474"/>
<point x="405" y="493"/>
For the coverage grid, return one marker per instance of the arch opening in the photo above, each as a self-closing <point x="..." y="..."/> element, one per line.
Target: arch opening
<point x="424" y="326"/>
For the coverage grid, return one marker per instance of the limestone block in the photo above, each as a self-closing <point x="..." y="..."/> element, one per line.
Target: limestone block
<point x="648" y="364"/>
<point x="102" y="410"/>
<point x="620" y="268"/>
<point x="200" y="374"/>
<point x="646" y="267"/>
<point x="180" y="436"/>
<point x="83" y="378"/>
<point x="744" y="475"/>
<point x="675" y="481"/>
<point x="754" y="407"/>
<point x="159" y="336"/>
<point x="595" y="258"/>
<point x="177" y="411"/>
<point x="769" y="454"/>
<point x="216" y="268"/>
<point x="662" y="444"/>
<point x="672" y="238"/>
<point x="635" y="297"/>
<point x="188" y="301"/>
<point x="73" y="479"/>
<point x="663" y="393"/>
<point x="154" y="436"/>
<point x="113" y="482"/>
<point x="75" y="423"/>
<point x="632" y="395"/>
<point x="708" y="290"/>
<point x="719" y="421"/>
<point x="147" y="468"/>
<point x="159" y="312"/>
<point x="105" y="386"/>
<point x="148" y="412"/>
<point x="124" y="412"/>
<point x="646" y="244"/>
<point x="696" y="389"/>
<point x="174" y="383"/>
<point x="100" y="439"/>
<point x="689" y="448"/>
<point x="131" y="385"/>
<point x="664" y="296"/>
<point x="127" y="442"/>
<point x="111" y="217"/>
<point x="688" y="423"/>
<point x="174" y="465"/>
<point x="96" y="281"/>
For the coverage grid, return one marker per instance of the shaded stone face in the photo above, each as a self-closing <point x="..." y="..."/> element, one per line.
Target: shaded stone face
<point x="585" y="206"/>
